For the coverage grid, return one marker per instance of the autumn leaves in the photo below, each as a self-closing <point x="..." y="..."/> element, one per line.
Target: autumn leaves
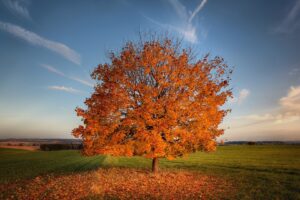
<point x="152" y="100"/>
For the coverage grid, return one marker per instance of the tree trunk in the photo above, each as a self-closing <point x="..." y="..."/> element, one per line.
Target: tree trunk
<point x="154" y="165"/>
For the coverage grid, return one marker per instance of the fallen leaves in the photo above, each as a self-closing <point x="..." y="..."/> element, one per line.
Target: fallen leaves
<point x="117" y="183"/>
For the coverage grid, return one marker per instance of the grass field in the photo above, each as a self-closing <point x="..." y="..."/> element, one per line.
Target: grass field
<point x="257" y="172"/>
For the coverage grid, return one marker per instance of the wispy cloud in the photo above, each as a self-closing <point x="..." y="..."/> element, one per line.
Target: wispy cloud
<point x="291" y="22"/>
<point x="37" y="40"/>
<point x="257" y="117"/>
<point x="188" y="30"/>
<point x="65" y="89"/>
<point x="56" y="71"/>
<point x="287" y="112"/>
<point x="241" y="97"/>
<point x="52" y="69"/>
<point x="189" y="33"/>
<point x="179" y="8"/>
<point x="291" y="101"/>
<point x="276" y="118"/>
<point x="199" y="7"/>
<point x="18" y="8"/>
<point x="82" y="81"/>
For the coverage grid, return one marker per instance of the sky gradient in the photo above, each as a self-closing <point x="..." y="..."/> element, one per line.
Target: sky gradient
<point x="48" y="49"/>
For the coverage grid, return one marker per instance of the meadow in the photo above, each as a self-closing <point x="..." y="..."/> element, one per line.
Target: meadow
<point x="252" y="172"/>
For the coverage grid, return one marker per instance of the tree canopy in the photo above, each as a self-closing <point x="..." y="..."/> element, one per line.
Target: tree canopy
<point x="154" y="99"/>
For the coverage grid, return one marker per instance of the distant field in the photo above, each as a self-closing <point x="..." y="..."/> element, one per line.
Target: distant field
<point x="29" y="148"/>
<point x="257" y="172"/>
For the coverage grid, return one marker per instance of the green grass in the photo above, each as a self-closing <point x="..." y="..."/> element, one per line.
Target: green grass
<point x="259" y="171"/>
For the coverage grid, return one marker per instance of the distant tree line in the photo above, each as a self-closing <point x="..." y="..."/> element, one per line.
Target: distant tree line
<point x="55" y="147"/>
<point x="259" y="142"/>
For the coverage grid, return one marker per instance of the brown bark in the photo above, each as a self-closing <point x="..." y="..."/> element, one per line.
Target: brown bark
<point x="155" y="165"/>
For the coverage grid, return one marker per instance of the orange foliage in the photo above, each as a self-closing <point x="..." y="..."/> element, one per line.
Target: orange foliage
<point x="153" y="100"/>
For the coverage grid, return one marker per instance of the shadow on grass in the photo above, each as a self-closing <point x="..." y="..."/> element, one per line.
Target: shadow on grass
<point x="227" y="168"/>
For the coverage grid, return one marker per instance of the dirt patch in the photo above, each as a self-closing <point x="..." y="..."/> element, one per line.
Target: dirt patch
<point x="120" y="184"/>
<point x="29" y="148"/>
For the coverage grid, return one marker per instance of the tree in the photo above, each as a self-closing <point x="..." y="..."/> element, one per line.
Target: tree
<point x="154" y="100"/>
<point x="222" y="142"/>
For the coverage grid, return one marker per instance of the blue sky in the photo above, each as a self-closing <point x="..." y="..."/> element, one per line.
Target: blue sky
<point x="49" y="48"/>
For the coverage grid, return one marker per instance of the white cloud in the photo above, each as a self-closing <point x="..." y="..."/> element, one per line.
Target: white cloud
<point x="291" y="22"/>
<point x="287" y="112"/>
<point x="242" y="96"/>
<point x="56" y="71"/>
<point x="291" y="101"/>
<point x="82" y="81"/>
<point x="37" y="40"/>
<point x="179" y="8"/>
<point x="277" y="118"/>
<point x="188" y="30"/>
<point x="52" y="69"/>
<point x="189" y="33"/>
<point x="18" y="7"/>
<point x="200" y="6"/>
<point x="65" y="89"/>
<point x="286" y="117"/>
<point x="256" y="117"/>
<point x="244" y="93"/>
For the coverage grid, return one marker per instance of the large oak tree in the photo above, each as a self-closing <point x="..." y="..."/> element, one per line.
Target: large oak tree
<point x="154" y="99"/>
